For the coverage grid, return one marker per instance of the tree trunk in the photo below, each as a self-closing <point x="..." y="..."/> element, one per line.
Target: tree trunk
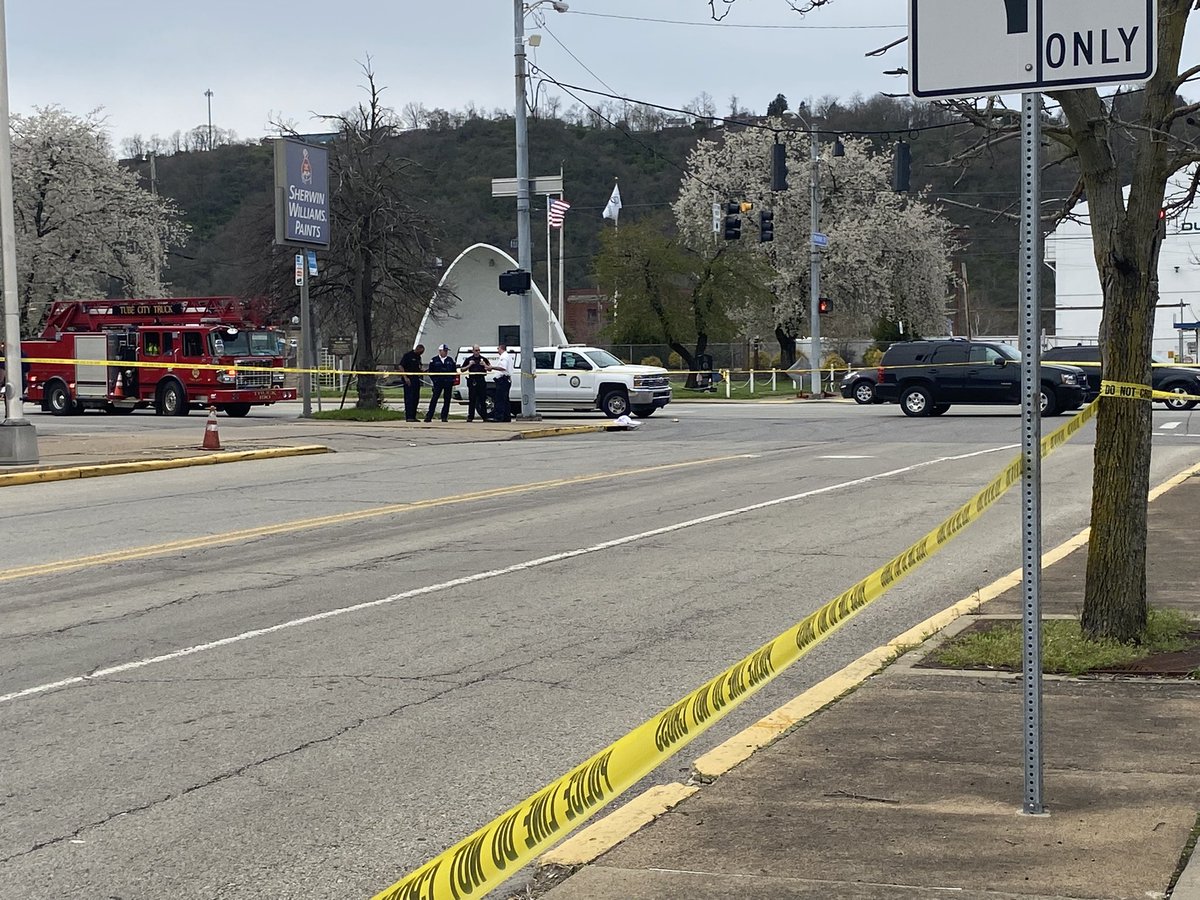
<point x="787" y="347"/>
<point x="1114" y="605"/>
<point x="368" y="385"/>
<point x="1126" y="240"/>
<point x="689" y="361"/>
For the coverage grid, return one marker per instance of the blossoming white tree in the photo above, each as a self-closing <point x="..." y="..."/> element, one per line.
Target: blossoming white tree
<point x="84" y="225"/>
<point x="889" y="254"/>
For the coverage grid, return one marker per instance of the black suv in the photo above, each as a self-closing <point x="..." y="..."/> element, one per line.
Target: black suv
<point x="926" y="377"/>
<point x="1174" y="379"/>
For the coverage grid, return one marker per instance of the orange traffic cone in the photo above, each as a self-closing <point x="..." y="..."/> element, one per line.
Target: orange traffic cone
<point x="119" y="388"/>
<point x="212" y="440"/>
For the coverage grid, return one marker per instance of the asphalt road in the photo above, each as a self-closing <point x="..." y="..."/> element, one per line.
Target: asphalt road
<point x="309" y="675"/>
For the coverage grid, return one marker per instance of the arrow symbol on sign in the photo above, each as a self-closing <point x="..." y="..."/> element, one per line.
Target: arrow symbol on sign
<point x="1018" y="16"/>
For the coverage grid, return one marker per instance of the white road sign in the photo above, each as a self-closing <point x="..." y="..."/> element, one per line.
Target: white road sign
<point x="968" y="48"/>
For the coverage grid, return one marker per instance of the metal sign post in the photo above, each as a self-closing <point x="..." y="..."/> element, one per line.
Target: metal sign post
<point x="1031" y="449"/>
<point x="306" y="341"/>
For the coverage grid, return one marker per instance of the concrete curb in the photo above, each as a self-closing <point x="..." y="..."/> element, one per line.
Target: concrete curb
<point x="619" y="825"/>
<point x="1188" y="885"/>
<point x="68" y="473"/>
<point x="605" y="834"/>
<point x="557" y="431"/>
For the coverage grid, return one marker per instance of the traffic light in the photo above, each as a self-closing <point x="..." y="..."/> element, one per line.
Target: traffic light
<point x="766" y="226"/>
<point x="1162" y="224"/>
<point x="824" y="305"/>
<point x="779" y="168"/>
<point x="901" y="168"/>
<point x="733" y="221"/>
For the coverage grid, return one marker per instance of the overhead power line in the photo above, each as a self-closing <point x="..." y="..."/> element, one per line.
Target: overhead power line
<point x="576" y="12"/>
<point x="545" y="76"/>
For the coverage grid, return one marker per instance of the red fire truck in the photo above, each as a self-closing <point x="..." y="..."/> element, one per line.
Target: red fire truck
<point x="172" y="354"/>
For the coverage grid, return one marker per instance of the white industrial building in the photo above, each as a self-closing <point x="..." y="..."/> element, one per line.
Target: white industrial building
<point x="1078" y="299"/>
<point x="482" y="313"/>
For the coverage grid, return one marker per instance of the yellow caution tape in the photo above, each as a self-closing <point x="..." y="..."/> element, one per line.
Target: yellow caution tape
<point x="182" y="365"/>
<point x="1172" y="395"/>
<point x="1125" y="391"/>
<point x="492" y="854"/>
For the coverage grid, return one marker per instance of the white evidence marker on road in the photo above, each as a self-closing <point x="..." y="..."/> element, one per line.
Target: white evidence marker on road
<point x="133" y="665"/>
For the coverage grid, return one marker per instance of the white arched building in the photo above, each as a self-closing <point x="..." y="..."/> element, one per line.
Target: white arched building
<point x="483" y="314"/>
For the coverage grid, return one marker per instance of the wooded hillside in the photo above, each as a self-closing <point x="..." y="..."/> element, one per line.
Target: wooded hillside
<point x="225" y="193"/>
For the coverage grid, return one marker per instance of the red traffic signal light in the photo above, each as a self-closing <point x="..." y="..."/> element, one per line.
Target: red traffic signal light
<point x="824" y="305"/>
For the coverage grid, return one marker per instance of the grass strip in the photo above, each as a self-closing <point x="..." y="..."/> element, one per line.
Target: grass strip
<point x="353" y="414"/>
<point x="1065" y="651"/>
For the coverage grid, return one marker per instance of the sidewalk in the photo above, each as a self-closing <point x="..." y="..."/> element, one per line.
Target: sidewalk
<point x="912" y="786"/>
<point x="149" y="445"/>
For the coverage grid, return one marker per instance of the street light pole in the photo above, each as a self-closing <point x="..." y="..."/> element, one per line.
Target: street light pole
<point x="209" y="95"/>
<point x="814" y="261"/>
<point x="18" y="437"/>
<point x="524" y="239"/>
<point x="524" y="242"/>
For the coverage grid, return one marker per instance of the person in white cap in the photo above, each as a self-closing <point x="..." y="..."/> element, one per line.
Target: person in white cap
<point x="505" y="366"/>
<point x="443" y="373"/>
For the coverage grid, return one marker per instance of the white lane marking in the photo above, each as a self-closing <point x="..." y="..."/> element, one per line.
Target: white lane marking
<point x="845" y="457"/>
<point x="1167" y="426"/>
<point x="482" y="576"/>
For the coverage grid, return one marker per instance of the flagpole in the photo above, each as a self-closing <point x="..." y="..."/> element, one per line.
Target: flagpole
<point x="549" y="279"/>
<point x="561" y="281"/>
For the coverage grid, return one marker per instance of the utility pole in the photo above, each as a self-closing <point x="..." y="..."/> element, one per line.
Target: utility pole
<point x="814" y="260"/>
<point x="524" y="243"/>
<point x="18" y="437"/>
<point x="209" y="95"/>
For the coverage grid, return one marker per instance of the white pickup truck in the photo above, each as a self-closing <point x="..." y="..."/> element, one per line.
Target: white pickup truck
<point x="575" y="377"/>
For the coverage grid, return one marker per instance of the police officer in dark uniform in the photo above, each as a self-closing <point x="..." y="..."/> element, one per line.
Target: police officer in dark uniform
<point x="410" y="364"/>
<point x="476" y="366"/>
<point x="442" y="372"/>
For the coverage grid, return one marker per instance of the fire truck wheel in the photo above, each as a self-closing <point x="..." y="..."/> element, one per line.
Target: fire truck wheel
<point x="236" y="410"/>
<point x="58" y="399"/>
<point x="172" y="399"/>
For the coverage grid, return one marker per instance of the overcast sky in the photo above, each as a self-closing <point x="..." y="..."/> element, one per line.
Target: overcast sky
<point x="148" y="64"/>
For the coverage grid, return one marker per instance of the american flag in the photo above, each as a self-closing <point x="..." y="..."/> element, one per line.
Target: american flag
<point x="556" y="212"/>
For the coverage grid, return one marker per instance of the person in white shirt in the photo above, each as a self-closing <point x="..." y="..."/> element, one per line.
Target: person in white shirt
<point x="504" y="367"/>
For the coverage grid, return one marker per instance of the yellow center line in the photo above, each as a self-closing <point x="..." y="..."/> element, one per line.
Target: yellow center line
<point x="231" y="537"/>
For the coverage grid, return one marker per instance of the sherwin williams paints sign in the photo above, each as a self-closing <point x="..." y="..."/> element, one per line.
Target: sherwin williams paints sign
<point x="301" y="193"/>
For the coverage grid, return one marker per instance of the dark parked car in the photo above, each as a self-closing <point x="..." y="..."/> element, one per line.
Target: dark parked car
<point x="926" y="377"/>
<point x="1173" y="379"/>
<point x="859" y="386"/>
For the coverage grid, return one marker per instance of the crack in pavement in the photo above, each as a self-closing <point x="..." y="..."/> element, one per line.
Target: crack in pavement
<point x="122" y="617"/>
<point x="239" y="771"/>
<point x="500" y="674"/>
